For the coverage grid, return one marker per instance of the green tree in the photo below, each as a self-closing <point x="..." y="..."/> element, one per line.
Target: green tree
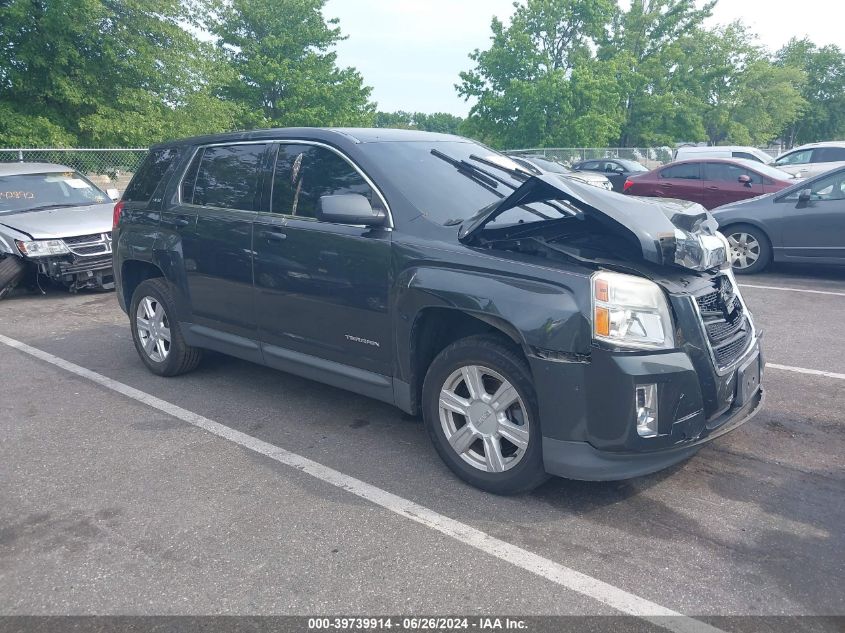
<point x="740" y="96"/>
<point x="539" y="83"/>
<point x="646" y="43"/>
<point x="823" y="115"/>
<point x="105" y="72"/>
<point x="285" y="69"/>
<point x="442" y="122"/>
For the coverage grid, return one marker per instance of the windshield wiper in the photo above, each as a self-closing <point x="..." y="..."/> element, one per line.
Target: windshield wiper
<point x="54" y="206"/>
<point x="470" y="169"/>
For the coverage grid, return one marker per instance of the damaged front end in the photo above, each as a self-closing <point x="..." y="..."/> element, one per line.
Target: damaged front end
<point x="665" y="232"/>
<point x="81" y="262"/>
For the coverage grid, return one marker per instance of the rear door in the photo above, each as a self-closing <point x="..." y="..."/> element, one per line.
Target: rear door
<point x="321" y="289"/>
<point x="722" y="185"/>
<point x="222" y="188"/>
<point x="815" y="229"/>
<point x="682" y="181"/>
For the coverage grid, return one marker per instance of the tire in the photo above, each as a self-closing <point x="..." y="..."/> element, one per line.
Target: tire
<point x="12" y="270"/>
<point x="751" y="250"/>
<point x="484" y="455"/>
<point x="162" y="357"/>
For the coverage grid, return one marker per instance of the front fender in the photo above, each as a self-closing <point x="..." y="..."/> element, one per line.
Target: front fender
<point x="539" y="315"/>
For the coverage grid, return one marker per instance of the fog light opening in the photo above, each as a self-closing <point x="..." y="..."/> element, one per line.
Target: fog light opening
<point x="646" y="404"/>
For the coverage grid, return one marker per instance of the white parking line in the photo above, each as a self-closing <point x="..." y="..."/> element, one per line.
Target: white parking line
<point x="802" y="370"/>
<point x="813" y="292"/>
<point x="603" y="592"/>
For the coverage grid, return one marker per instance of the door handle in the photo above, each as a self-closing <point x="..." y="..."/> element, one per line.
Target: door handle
<point x="712" y="188"/>
<point x="274" y="235"/>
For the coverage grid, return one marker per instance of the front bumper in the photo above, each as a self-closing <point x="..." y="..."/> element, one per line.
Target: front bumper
<point x="580" y="460"/>
<point x="588" y="410"/>
<point x="78" y="273"/>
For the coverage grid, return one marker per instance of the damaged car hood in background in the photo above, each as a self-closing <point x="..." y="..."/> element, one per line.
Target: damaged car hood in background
<point x="666" y="231"/>
<point x="61" y="222"/>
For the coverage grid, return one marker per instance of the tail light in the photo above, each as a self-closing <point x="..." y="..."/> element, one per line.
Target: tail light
<point x="628" y="184"/>
<point x="118" y="209"/>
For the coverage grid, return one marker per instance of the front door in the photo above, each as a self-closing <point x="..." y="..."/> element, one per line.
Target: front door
<point x="722" y="184"/>
<point x="321" y="289"/>
<point x="223" y="186"/>
<point x="815" y="228"/>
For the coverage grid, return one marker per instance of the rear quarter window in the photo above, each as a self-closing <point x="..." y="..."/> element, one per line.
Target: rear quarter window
<point x="150" y="175"/>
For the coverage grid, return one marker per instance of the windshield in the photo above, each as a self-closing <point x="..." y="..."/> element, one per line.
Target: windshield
<point x="441" y="192"/>
<point x="27" y="192"/>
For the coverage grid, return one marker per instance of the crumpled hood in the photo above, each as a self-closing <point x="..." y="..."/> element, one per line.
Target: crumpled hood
<point x="61" y="222"/>
<point x="666" y="231"/>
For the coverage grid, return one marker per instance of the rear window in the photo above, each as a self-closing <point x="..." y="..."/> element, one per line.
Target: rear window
<point x="829" y="154"/>
<point x="229" y="177"/>
<point x="687" y="171"/>
<point x="149" y="175"/>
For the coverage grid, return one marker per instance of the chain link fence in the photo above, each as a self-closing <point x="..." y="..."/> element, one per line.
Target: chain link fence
<point x="106" y="168"/>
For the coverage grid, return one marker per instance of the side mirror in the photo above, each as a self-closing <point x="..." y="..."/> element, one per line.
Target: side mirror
<point x="349" y="208"/>
<point x="619" y="170"/>
<point x="114" y="194"/>
<point x="745" y="180"/>
<point x="805" y="195"/>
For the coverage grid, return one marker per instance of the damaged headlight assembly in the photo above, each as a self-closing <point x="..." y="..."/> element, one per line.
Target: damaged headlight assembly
<point x="699" y="251"/>
<point x="42" y="248"/>
<point x="630" y="312"/>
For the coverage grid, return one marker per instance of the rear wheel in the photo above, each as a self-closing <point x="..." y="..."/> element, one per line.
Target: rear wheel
<point x="480" y="411"/>
<point x="157" y="335"/>
<point x="750" y="249"/>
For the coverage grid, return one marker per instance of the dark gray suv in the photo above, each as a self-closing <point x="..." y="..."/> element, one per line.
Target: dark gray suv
<point x="538" y="326"/>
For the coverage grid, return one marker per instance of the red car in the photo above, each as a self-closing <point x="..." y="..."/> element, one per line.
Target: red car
<point x="711" y="182"/>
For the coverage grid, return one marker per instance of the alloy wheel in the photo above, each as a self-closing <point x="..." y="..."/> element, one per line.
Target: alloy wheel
<point x="153" y="329"/>
<point x="484" y="419"/>
<point x="745" y="249"/>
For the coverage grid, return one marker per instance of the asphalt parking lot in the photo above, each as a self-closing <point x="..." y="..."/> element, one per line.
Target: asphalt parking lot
<point x="112" y="506"/>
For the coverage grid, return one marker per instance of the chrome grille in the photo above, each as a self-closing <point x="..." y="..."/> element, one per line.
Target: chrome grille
<point x="89" y="245"/>
<point x="728" y="327"/>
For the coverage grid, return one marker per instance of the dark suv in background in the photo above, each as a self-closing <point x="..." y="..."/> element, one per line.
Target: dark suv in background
<point x="539" y="326"/>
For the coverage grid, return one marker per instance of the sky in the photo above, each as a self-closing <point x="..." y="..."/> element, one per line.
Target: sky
<point x="411" y="51"/>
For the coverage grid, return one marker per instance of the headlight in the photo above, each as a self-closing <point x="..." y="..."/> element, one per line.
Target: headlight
<point x="42" y="248"/>
<point x="630" y="311"/>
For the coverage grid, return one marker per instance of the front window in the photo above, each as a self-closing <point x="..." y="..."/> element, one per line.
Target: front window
<point x="725" y="172"/>
<point x="796" y="158"/>
<point x="828" y="188"/>
<point x="305" y="173"/>
<point x="442" y="193"/>
<point x="30" y="192"/>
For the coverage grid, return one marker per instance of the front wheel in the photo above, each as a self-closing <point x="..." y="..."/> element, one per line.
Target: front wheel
<point x="750" y="249"/>
<point x="480" y="410"/>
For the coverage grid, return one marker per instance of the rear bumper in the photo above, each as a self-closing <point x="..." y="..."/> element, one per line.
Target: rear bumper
<point x="580" y="460"/>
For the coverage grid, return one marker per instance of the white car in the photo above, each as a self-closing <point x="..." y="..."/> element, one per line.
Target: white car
<point x="694" y="152"/>
<point x="812" y="159"/>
